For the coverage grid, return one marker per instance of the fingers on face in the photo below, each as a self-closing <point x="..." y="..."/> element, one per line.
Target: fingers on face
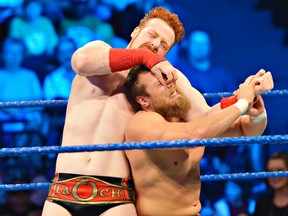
<point x="175" y="75"/>
<point x="161" y="79"/>
<point x="170" y="76"/>
<point x="166" y="77"/>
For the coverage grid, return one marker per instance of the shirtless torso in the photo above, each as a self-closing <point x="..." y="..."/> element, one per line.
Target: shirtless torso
<point x="167" y="181"/>
<point x="181" y="167"/>
<point x="104" y="111"/>
<point x="96" y="114"/>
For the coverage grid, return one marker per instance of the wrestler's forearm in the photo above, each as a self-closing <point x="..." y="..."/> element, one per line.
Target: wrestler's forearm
<point x="255" y="122"/>
<point x="226" y="119"/>
<point x="215" y="125"/>
<point x="214" y="109"/>
<point x="91" y="59"/>
<point x="98" y="58"/>
<point x="244" y="126"/>
<point x="250" y="128"/>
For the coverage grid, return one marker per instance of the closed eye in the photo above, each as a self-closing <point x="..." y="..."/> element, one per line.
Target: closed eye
<point x="153" y="35"/>
<point x="164" y="46"/>
<point x="158" y="84"/>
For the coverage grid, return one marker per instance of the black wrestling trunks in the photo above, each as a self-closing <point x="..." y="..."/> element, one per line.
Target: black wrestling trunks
<point x="90" y="195"/>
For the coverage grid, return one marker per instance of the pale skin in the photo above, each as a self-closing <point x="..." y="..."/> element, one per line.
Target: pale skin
<point x="98" y="112"/>
<point x="168" y="181"/>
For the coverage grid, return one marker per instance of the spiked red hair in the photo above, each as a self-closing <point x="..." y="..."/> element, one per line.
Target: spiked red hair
<point x="171" y="19"/>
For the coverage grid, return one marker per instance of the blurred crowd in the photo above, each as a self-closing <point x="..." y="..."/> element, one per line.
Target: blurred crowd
<point x="38" y="38"/>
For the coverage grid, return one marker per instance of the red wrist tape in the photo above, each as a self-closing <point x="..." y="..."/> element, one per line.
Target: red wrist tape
<point x="123" y="59"/>
<point x="228" y="101"/>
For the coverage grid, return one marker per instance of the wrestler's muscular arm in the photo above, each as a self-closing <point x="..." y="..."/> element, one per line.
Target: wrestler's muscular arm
<point x="255" y="122"/>
<point x="246" y="126"/>
<point x="262" y="81"/>
<point x="98" y="58"/>
<point x="157" y="128"/>
<point x="243" y="125"/>
<point x="92" y="59"/>
<point x="199" y="106"/>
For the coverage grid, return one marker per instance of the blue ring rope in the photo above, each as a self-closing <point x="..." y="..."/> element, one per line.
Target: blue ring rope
<point x="283" y="92"/>
<point x="144" y="145"/>
<point x="38" y="103"/>
<point x="227" y="141"/>
<point x="212" y="177"/>
<point x="51" y="103"/>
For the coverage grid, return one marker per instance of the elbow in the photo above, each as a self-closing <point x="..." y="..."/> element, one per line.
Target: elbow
<point x="91" y="59"/>
<point x="79" y="62"/>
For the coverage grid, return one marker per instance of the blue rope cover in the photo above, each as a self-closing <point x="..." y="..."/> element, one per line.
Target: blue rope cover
<point x="213" y="177"/>
<point x="144" y="145"/>
<point x="39" y="103"/>
<point x="50" y="103"/>
<point x="283" y="92"/>
<point x="271" y="139"/>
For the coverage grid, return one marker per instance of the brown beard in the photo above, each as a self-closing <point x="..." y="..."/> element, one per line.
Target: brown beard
<point x="179" y="109"/>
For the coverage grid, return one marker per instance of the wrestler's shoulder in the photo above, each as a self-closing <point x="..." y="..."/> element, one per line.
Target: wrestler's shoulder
<point x="97" y="43"/>
<point x="147" y="116"/>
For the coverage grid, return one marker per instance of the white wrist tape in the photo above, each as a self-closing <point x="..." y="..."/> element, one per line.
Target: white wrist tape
<point x="242" y="105"/>
<point x="260" y="117"/>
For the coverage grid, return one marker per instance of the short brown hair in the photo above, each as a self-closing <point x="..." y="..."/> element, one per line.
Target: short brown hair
<point x="171" y="19"/>
<point x="133" y="88"/>
<point x="281" y="155"/>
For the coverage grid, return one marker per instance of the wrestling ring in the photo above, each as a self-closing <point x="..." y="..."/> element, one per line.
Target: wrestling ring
<point x="263" y="140"/>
